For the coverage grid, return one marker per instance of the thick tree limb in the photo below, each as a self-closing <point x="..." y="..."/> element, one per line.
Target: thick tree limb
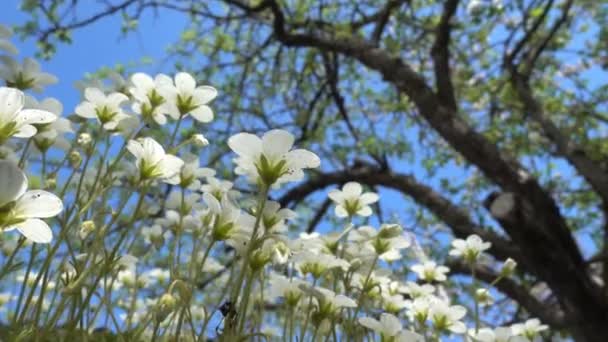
<point x="455" y="217"/>
<point x="441" y="56"/>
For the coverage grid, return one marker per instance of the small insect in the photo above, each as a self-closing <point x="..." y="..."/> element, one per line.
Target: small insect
<point x="226" y="308"/>
<point x="228" y="312"/>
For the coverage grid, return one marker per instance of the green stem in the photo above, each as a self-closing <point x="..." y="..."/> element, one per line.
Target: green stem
<point x="362" y="293"/>
<point x="305" y="326"/>
<point x="24" y="284"/>
<point x="175" y="130"/>
<point x="237" y="287"/>
<point x="6" y="268"/>
<point x="475" y="298"/>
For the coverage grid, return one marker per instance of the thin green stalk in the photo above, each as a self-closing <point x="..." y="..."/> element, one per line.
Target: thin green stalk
<point x="24" y="284"/>
<point x="175" y="130"/>
<point x="252" y="244"/>
<point x="305" y="326"/>
<point x="6" y="268"/>
<point x="362" y="293"/>
<point x="475" y="298"/>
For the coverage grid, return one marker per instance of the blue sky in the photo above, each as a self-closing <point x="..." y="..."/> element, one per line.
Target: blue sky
<point x="99" y="45"/>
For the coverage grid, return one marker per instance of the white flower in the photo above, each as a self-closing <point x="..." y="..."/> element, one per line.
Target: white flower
<point x="393" y="303"/>
<point x="280" y="286"/>
<point x="16" y="121"/>
<point x="21" y="209"/>
<point x="418" y="309"/>
<point x="5" y="44"/>
<point x="529" y="329"/>
<point x="386" y="242"/>
<point x="389" y="327"/>
<point x="352" y="201"/>
<point x="415" y="290"/>
<point x="147" y="94"/>
<point x="500" y="334"/>
<point x="269" y="160"/>
<point x="26" y="76"/>
<point x="186" y="98"/>
<point x="190" y="173"/>
<point x="429" y="271"/>
<point x="152" y="161"/>
<point x="273" y="217"/>
<point x="230" y="223"/>
<point x="106" y="109"/>
<point x="153" y="234"/>
<point x="327" y="301"/>
<point x="474" y="7"/>
<point x="50" y="134"/>
<point x="219" y="188"/>
<point x="317" y="263"/>
<point x="446" y="317"/>
<point x="469" y="249"/>
<point x="158" y="275"/>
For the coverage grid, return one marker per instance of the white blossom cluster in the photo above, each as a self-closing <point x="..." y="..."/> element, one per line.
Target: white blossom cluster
<point x="144" y="240"/>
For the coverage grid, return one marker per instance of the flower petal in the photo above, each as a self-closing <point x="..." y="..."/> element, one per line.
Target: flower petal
<point x="25" y="131"/>
<point x="277" y="142"/>
<point x="202" y="114"/>
<point x="86" y="110"/>
<point x="38" y="203"/>
<point x="11" y="102"/>
<point x="368" y="198"/>
<point x="204" y="94"/>
<point x="95" y="96"/>
<point x="34" y="116"/>
<point x="340" y="211"/>
<point x="352" y="189"/>
<point x="142" y="80"/>
<point x="12" y="182"/>
<point x="336" y="196"/>
<point x="136" y="149"/>
<point x="153" y="151"/>
<point x="245" y="144"/>
<point x="303" y="159"/>
<point x="184" y="82"/>
<point x="370" y="323"/>
<point x="35" y="230"/>
<point x="365" y="211"/>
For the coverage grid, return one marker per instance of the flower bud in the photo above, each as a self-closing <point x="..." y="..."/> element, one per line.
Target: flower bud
<point x="84" y="139"/>
<point x="86" y="228"/>
<point x="184" y="290"/>
<point x="199" y="140"/>
<point x="483" y="297"/>
<point x="75" y="159"/>
<point x="166" y="304"/>
<point x="508" y="267"/>
<point x="51" y="182"/>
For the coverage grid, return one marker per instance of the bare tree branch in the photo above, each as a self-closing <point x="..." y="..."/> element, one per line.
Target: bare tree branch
<point x="548" y="314"/>
<point x="441" y="56"/>
<point x="453" y="216"/>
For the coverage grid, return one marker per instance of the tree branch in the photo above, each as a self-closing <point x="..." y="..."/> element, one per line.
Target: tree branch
<point x="547" y="314"/>
<point x="453" y="216"/>
<point x="441" y="56"/>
